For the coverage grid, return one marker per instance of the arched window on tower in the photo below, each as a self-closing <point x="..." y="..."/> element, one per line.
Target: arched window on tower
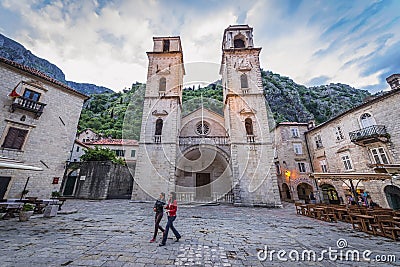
<point x="238" y="42"/>
<point x="243" y="81"/>
<point x="158" y="132"/>
<point x="248" y="124"/>
<point x="162" y="87"/>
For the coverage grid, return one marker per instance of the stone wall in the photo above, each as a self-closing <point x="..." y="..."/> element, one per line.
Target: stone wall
<point x="103" y="180"/>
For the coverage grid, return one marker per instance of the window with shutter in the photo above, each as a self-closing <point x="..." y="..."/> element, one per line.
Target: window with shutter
<point x="15" y="138"/>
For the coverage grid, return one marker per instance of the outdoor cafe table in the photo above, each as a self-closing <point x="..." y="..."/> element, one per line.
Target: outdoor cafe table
<point x="340" y="212"/>
<point x="318" y="211"/>
<point x="10" y="208"/>
<point x="366" y="221"/>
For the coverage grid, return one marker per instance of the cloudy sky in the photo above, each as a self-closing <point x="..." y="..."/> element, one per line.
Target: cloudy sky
<point x="313" y="42"/>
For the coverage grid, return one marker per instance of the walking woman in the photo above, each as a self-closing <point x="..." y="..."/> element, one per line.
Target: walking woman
<point x="159" y="210"/>
<point x="171" y="210"/>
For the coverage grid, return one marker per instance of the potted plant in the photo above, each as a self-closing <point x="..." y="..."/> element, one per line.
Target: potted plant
<point x="26" y="212"/>
<point x="55" y="194"/>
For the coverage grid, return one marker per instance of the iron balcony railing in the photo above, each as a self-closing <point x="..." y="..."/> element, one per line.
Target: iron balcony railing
<point x="28" y="104"/>
<point x="373" y="131"/>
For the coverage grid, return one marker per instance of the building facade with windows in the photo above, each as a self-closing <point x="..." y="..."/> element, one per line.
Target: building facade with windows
<point x="87" y="136"/>
<point x="38" y="123"/>
<point x="292" y="162"/>
<point x="357" y="143"/>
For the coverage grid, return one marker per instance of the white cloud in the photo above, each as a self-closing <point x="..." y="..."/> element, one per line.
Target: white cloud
<point x="108" y="45"/>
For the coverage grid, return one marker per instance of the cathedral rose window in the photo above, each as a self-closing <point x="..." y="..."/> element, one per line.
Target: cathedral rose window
<point x="202" y="128"/>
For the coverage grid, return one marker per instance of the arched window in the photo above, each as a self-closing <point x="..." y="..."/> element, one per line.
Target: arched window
<point x="367" y="120"/>
<point x="163" y="85"/>
<point x="238" y="42"/>
<point x="243" y="81"/>
<point x="159" y="125"/>
<point x="248" y="123"/>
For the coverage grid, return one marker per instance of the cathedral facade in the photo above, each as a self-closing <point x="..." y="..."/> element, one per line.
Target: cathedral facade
<point x="204" y="156"/>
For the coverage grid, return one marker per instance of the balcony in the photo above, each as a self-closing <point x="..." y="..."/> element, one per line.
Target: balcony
<point x="29" y="105"/>
<point x="222" y="142"/>
<point x="371" y="134"/>
<point x="197" y="140"/>
<point x="250" y="138"/>
<point x="157" y="139"/>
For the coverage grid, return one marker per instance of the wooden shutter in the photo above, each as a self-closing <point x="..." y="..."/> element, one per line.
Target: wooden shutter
<point x="15" y="138"/>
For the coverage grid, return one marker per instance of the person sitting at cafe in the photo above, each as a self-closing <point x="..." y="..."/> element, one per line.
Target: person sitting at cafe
<point x="372" y="204"/>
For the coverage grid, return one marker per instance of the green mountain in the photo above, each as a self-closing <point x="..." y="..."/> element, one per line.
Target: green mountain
<point x="119" y="114"/>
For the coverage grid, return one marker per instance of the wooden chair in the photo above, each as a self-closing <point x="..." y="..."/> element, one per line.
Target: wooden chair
<point x="298" y="208"/>
<point x="391" y="229"/>
<point x="330" y="214"/>
<point x="355" y="221"/>
<point x="380" y="221"/>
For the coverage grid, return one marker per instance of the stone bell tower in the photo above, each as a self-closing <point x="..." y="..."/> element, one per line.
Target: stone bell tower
<point x="155" y="169"/>
<point x="246" y="120"/>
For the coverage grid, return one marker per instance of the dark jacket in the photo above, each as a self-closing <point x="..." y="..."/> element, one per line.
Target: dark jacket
<point x="159" y="206"/>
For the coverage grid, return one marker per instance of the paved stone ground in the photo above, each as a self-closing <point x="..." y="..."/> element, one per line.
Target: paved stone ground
<point x="117" y="233"/>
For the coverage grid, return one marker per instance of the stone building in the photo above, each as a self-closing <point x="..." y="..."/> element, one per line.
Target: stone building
<point x="293" y="162"/>
<point x="78" y="150"/>
<point x="350" y="148"/>
<point x="204" y="156"/>
<point x="87" y="135"/>
<point x="38" y="123"/>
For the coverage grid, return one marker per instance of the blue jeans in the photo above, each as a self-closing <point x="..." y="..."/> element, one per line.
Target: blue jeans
<point x="170" y="224"/>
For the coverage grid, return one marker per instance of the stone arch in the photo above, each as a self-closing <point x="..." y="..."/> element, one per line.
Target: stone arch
<point x="286" y="195"/>
<point x="239" y="41"/>
<point x="202" y="177"/>
<point x="303" y="191"/>
<point x="392" y="194"/>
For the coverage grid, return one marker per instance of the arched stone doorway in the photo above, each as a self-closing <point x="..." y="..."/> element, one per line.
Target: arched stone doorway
<point x="303" y="192"/>
<point x="70" y="183"/>
<point x="286" y="192"/>
<point x="392" y="194"/>
<point x="329" y="194"/>
<point x="203" y="175"/>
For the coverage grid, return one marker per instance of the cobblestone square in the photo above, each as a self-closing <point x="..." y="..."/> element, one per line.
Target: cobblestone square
<point x="117" y="233"/>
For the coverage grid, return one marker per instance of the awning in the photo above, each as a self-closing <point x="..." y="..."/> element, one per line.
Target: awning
<point x="17" y="166"/>
<point x="350" y="176"/>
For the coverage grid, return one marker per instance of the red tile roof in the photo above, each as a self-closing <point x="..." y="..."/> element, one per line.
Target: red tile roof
<point x="39" y="74"/>
<point x="118" y="142"/>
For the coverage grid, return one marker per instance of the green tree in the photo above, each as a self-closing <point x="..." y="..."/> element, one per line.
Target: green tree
<point x="101" y="154"/>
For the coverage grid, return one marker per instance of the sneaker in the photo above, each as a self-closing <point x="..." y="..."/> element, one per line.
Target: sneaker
<point x="177" y="239"/>
<point x="161" y="244"/>
<point x="152" y="240"/>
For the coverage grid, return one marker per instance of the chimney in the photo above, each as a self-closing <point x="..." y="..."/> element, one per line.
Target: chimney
<point x="311" y="124"/>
